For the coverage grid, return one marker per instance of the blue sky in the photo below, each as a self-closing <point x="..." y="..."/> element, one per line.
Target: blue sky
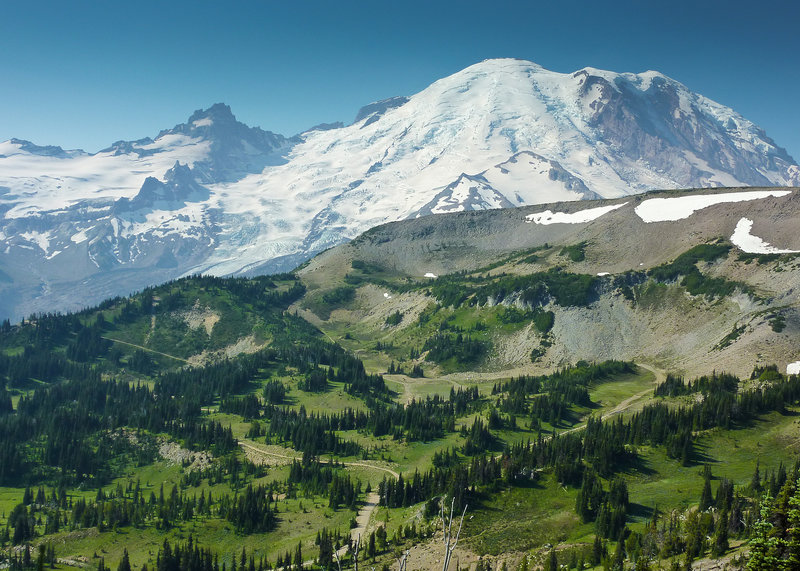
<point x="83" y="74"/>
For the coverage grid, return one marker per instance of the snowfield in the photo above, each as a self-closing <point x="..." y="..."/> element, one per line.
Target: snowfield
<point x="670" y="209"/>
<point x="549" y="217"/>
<point x="746" y="242"/>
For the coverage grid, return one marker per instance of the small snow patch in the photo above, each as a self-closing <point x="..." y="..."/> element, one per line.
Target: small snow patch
<point x="793" y="368"/>
<point x="601" y="274"/>
<point x="431" y="275"/>
<point x="549" y="217"/>
<point x="387" y="296"/>
<point x="753" y="244"/>
<point x="678" y="208"/>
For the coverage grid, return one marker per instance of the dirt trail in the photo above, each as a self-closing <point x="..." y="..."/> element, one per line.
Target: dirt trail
<point x="146" y="349"/>
<point x="362" y="520"/>
<point x="407" y="382"/>
<point x="364" y="513"/>
<point x="660" y="377"/>
<point x="260" y="451"/>
<point x="152" y="328"/>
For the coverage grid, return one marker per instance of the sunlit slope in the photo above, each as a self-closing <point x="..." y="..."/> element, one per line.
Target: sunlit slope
<point x="671" y="278"/>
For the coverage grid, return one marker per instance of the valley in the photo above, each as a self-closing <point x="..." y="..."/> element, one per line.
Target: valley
<point x="594" y="393"/>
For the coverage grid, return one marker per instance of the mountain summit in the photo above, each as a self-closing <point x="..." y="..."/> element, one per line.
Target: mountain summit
<point x="240" y="199"/>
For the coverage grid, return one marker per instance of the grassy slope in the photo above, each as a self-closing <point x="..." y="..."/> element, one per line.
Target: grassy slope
<point x="515" y="519"/>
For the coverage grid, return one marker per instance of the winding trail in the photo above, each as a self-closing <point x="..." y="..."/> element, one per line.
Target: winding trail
<point x="145" y="349"/>
<point x="660" y="377"/>
<point x="365" y="512"/>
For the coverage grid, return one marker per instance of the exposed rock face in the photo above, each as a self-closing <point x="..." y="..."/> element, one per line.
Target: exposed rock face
<point x="662" y="126"/>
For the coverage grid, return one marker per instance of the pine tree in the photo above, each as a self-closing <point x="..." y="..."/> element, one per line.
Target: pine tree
<point x="551" y="563"/>
<point x="706" y="497"/>
<point x="720" y="544"/>
<point x="298" y="557"/>
<point x="762" y="545"/>
<point x="124" y="564"/>
<point x="755" y="482"/>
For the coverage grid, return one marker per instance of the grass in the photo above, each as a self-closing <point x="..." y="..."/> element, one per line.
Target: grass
<point x="663" y="482"/>
<point x="521" y="519"/>
<point x="611" y="393"/>
<point x="301" y="519"/>
<point x="333" y="400"/>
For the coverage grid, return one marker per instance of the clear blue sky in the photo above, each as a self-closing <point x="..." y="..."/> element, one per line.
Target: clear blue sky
<point x="83" y="74"/>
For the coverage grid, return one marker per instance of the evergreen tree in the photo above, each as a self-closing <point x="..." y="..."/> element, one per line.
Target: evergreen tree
<point x="720" y="544"/>
<point x="551" y="563"/>
<point x="755" y="481"/>
<point x="762" y="543"/>
<point x="706" y="497"/>
<point x="124" y="564"/>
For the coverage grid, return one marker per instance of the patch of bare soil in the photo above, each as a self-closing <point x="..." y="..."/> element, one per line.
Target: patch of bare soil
<point x="173" y="453"/>
<point x="245" y="345"/>
<point x="203" y="317"/>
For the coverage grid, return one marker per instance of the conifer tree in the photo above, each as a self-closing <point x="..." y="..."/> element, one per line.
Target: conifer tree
<point x="124" y="564"/>
<point x="720" y="544"/>
<point x="762" y="544"/>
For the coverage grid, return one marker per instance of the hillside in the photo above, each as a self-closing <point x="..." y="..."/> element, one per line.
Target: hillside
<point x="636" y="310"/>
<point x="644" y="416"/>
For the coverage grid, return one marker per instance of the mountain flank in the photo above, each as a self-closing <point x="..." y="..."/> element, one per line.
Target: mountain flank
<point x="633" y="308"/>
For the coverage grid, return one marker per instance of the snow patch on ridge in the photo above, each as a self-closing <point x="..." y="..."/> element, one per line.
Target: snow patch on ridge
<point x="549" y="217"/>
<point x="753" y="244"/>
<point x="679" y="208"/>
<point x="793" y="368"/>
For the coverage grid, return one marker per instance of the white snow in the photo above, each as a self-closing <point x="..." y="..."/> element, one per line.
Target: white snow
<point x="45" y="184"/>
<point x="793" y="368"/>
<point x="526" y="179"/>
<point x="386" y="295"/>
<point x="753" y="244"/>
<point x="40" y="239"/>
<point x="681" y="207"/>
<point x="602" y="274"/>
<point x="79" y="237"/>
<point x="587" y="215"/>
<point x="431" y="275"/>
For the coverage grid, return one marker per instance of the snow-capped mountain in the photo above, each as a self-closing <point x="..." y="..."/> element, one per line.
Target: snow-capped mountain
<point x="213" y="195"/>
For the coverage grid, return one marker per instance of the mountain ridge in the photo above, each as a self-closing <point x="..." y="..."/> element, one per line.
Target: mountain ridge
<point x="658" y="322"/>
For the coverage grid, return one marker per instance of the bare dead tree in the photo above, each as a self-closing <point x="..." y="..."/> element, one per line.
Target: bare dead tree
<point x="355" y="552"/>
<point x="447" y="530"/>
<point x="404" y="561"/>
<point x="338" y="563"/>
